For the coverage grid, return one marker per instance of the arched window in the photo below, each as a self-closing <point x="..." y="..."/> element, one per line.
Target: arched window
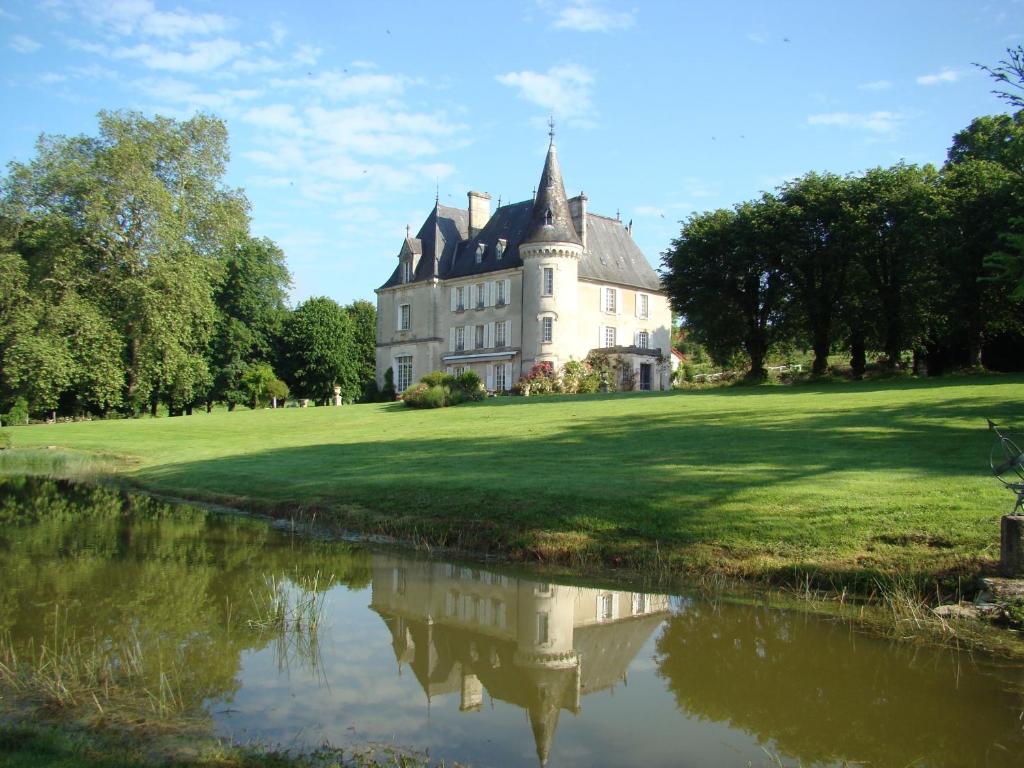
<point x="548" y="217"/>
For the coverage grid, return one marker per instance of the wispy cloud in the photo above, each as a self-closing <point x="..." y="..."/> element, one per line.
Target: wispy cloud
<point x="24" y="44"/>
<point x="757" y="37"/>
<point x="141" y="17"/>
<point x="590" y="16"/>
<point x="880" y="122"/>
<point x="341" y="86"/>
<point x="875" y="85"/>
<point x="199" y="56"/>
<point x="563" y="90"/>
<point x="945" y="75"/>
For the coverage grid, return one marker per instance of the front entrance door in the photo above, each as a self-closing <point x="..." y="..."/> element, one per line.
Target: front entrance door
<point x="645" y="377"/>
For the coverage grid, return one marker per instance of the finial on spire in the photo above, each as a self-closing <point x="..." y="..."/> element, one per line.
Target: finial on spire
<point x="437" y="192"/>
<point x="407" y="228"/>
<point x="551" y="128"/>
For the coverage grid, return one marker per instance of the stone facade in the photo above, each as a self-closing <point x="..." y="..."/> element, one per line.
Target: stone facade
<point x="541" y="280"/>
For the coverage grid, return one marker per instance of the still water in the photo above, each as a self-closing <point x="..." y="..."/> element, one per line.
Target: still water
<point x="481" y="665"/>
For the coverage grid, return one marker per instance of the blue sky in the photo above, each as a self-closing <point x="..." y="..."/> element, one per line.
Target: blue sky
<point x="344" y="115"/>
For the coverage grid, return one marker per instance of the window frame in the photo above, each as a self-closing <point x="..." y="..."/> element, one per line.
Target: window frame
<point x="405" y="317"/>
<point x="611" y="302"/>
<point x="403" y="372"/>
<point x="610" y="334"/>
<point x="643" y="339"/>
<point x="479" y="333"/>
<point x="481" y="295"/>
<point x="547" y="287"/>
<point x="460" y="298"/>
<point x="500" y="339"/>
<point x="547" y="330"/>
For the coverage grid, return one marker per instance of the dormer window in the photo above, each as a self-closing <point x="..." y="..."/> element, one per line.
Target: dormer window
<point x="499" y="248"/>
<point x="407" y="271"/>
<point x="548" y="217"/>
<point x="480" y="248"/>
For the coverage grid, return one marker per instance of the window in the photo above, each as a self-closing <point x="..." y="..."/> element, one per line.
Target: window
<point x="499" y="377"/>
<point x="460" y="298"/>
<point x="497" y="613"/>
<point x="499" y="248"/>
<point x="640" y="604"/>
<point x="458" y="370"/>
<point x="610" y="302"/>
<point x="404" y="317"/>
<point x="546" y="329"/>
<point x="643" y="339"/>
<point x="479" y="337"/>
<point x="609" y="336"/>
<point x="548" y="288"/>
<point x="499" y="333"/>
<point x="407" y="271"/>
<point x="606" y="606"/>
<point x="542" y="628"/>
<point x="460" y="338"/>
<point x="500" y="298"/>
<point x="398" y="579"/>
<point x="642" y="305"/>
<point x="480" y="248"/>
<point x="403" y="371"/>
<point x="481" y="295"/>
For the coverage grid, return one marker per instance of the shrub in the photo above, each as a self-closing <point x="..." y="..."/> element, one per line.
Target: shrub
<point x="423" y="395"/>
<point x="470" y="385"/>
<point x="5" y="440"/>
<point x="387" y="392"/>
<point x="438" y="379"/>
<point x="18" y="415"/>
<point x="541" y="380"/>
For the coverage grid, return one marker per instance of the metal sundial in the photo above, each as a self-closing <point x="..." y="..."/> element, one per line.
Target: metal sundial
<point x="1007" y="462"/>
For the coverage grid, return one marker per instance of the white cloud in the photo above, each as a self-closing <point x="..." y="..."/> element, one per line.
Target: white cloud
<point x="50" y="78"/>
<point x="275" y="117"/>
<point x="874" y="122"/>
<point x="24" y="44"/>
<point x="201" y="56"/>
<point x="946" y="75"/>
<point x="875" y="85"/>
<point x="189" y="98"/>
<point x="563" y="90"/>
<point x="129" y="17"/>
<point x="278" y="33"/>
<point x="339" y="86"/>
<point x="588" y="16"/>
<point x="756" y="37"/>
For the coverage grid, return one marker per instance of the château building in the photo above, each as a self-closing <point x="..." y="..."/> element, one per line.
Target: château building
<point x="543" y="280"/>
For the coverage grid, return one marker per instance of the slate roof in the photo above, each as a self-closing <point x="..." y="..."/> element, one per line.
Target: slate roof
<point x="611" y="255"/>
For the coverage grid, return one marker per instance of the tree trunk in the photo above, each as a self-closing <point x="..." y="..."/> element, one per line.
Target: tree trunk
<point x="821" y="350"/>
<point x="188" y="409"/>
<point x="231" y="406"/>
<point x="858" y="355"/>
<point x="209" y="406"/>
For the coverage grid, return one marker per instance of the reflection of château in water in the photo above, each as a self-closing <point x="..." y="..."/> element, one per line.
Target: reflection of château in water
<point x="540" y="646"/>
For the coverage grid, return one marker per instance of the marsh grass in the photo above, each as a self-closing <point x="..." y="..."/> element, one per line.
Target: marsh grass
<point x="292" y="611"/>
<point x="94" y="676"/>
<point x="58" y="463"/>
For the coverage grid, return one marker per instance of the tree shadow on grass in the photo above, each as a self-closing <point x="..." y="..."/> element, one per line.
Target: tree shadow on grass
<point x="801" y="480"/>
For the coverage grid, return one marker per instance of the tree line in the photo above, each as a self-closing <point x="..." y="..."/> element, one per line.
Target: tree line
<point x="130" y="280"/>
<point x="904" y="264"/>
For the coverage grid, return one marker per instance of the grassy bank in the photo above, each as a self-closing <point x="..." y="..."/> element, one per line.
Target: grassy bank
<point x="841" y="480"/>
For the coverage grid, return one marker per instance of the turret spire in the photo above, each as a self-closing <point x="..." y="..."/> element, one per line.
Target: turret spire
<point x="551" y="221"/>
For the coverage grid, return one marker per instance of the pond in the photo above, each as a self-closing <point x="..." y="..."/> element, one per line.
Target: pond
<point x="299" y="641"/>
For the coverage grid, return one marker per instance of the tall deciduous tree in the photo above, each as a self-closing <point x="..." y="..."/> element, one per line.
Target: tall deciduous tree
<point x="317" y="340"/>
<point x="134" y="222"/>
<point x="816" y="255"/>
<point x="891" y="216"/>
<point x="363" y="316"/>
<point x="723" y="275"/>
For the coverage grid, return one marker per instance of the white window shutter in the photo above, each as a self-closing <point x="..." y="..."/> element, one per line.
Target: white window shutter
<point x="618" y="301"/>
<point x="489" y="335"/>
<point x="398" y="316"/>
<point x="490" y="377"/>
<point x="453" y="298"/>
<point x="508" y="333"/>
<point x="600" y="299"/>
<point x="490" y="293"/>
<point x="600" y="336"/>
<point x="508" y="291"/>
<point x="508" y="375"/>
<point x="451" y="339"/>
<point x="615" y="605"/>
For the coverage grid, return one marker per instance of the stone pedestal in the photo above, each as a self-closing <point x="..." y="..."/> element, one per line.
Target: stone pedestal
<point x="304" y="402"/>
<point x="337" y="396"/>
<point x="1011" y="546"/>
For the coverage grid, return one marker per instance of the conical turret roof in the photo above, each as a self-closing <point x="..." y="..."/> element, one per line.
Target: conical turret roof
<point x="551" y="221"/>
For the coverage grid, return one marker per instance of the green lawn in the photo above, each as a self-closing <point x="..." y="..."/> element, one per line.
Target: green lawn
<point x="840" y="478"/>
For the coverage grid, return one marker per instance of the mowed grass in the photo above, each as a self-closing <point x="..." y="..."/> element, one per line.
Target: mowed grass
<point x="837" y="479"/>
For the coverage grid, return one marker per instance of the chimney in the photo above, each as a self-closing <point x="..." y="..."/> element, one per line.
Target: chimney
<point x="479" y="211"/>
<point x="578" y="211"/>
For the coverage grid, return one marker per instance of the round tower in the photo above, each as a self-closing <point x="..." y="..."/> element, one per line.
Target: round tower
<point x="550" y="253"/>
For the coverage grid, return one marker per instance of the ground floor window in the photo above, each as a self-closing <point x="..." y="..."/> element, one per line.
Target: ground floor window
<point x="547" y="329"/>
<point x="403" y="372"/>
<point x="499" y="378"/>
